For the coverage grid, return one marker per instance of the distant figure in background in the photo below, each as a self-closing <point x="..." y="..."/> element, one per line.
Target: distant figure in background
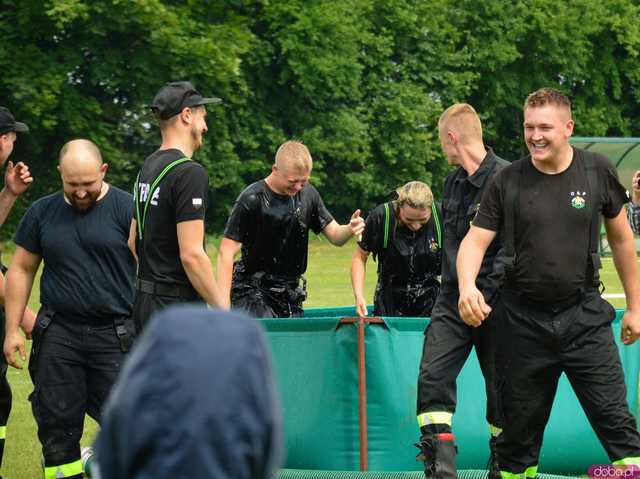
<point x="270" y="223"/>
<point x="404" y="237"/>
<point x="633" y="210"/>
<point x="196" y="399"/>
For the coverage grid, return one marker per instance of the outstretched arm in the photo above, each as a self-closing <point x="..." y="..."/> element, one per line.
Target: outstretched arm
<point x="471" y="305"/>
<point x="358" y="270"/>
<point x="228" y="251"/>
<point x="339" y="234"/>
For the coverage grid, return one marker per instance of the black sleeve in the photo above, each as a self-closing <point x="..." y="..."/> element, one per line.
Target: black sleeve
<point x="320" y="216"/>
<point x="372" y="236"/>
<point x="490" y="213"/>
<point x="189" y="192"/>
<point x="242" y="218"/>
<point x="614" y="195"/>
<point x="28" y="232"/>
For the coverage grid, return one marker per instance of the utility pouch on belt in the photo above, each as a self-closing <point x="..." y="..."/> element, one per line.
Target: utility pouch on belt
<point x="299" y="293"/>
<point x="125" y="331"/>
<point x="43" y="320"/>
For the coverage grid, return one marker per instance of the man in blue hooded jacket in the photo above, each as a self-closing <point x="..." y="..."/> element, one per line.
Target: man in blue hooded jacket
<point x="196" y="399"/>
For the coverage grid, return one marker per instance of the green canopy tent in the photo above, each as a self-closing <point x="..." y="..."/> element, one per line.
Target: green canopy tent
<point x="624" y="153"/>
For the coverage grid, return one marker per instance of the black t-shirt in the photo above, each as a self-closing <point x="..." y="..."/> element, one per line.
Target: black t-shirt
<point x="89" y="271"/>
<point x="553" y="219"/>
<point x="274" y="229"/>
<point x="410" y="256"/>
<point x="181" y="196"/>
<point x="462" y="194"/>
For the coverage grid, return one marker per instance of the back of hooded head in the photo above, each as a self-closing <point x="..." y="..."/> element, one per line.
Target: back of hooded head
<point x="196" y="398"/>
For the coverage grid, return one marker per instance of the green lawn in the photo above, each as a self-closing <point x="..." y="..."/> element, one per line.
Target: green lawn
<point x="329" y="284"/>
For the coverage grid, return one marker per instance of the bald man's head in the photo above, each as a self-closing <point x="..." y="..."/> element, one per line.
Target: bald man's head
<point x="82" y="171"/>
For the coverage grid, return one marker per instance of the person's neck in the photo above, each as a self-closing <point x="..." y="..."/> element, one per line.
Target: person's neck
<point x="557" y="164"/>
<point x="270" y="183"/>
<point x="472" y="157"/>
<point x="174" y="141"/>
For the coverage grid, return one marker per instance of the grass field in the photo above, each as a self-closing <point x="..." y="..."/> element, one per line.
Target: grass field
<point x="329" y="284"/>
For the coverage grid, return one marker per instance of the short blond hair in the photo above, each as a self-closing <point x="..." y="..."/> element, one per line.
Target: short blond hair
<point x="294" y="154"/>
<point x="415" y="194"/>
<point x="463" y="119"/>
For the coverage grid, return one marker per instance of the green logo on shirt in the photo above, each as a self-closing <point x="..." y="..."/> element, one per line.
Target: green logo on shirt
<point x="578" y="202"/>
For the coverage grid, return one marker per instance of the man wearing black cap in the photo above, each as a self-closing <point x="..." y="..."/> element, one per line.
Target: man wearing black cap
<point x="170" y="197"/>
<point x="17" y="179"/>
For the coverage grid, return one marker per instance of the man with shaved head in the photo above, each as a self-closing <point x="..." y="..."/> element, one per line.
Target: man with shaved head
<point x="270" y="223"/>
<point x="448" y="340"/>
<point x="86" y="293"/>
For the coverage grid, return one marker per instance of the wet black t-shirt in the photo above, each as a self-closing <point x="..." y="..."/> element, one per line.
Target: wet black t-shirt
<point x="552" y="223"/>
<point x="274" y="229"/>
<point x="181" y="196"/>
<point x="410" y="257"/>
<point x="89" y="271"/>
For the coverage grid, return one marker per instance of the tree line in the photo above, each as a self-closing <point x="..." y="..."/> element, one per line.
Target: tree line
<point x="361" y="82"/>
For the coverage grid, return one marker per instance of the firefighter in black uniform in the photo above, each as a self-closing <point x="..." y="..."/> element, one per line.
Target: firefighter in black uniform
<point x="83" y="328"/>
<point x="17" y="179"/>
<point x="448" y="340"/>
<point x="171" y="190"/>
<point x="404" y="236"/>
<point x="551" y="316"/>
<point x="270" y="223"/>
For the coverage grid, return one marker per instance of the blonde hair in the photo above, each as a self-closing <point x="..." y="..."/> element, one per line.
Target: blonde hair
<point x="293" y="154"/>
<point x="415" y="194"/>
<point x="462" y="119"/>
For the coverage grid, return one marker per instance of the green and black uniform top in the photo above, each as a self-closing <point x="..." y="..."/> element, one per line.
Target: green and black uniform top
<point x="408" y="262"/>
<point x="181" y="195"/>
<point x="462" y="195"/>
<point x="89" y="271"/>
<point x="553" y="214"/>
<point x="274" y="229"/>
<point x="404" y="256"/>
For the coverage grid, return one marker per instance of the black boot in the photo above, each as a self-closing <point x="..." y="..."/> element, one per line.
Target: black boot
<point x="493" y="466"/>
<point x="438" y="451"/>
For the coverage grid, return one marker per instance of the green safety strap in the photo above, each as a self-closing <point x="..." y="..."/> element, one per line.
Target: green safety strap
<point x="64" y="470"/>
<point x="140" y="218"/>
<point x="436" y="220"/>
<point x="387" y="218"/>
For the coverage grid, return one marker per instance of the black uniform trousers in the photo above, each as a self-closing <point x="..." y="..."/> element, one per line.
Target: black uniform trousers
<point x="266" y="296"/>
<point x="146" y="304"/>
<point x="73" y="365"/>
<point x="410" y="300"/>
<point x="447" y="345"/>
<point x="5" y="390"/>
<point x="537" y="343"/>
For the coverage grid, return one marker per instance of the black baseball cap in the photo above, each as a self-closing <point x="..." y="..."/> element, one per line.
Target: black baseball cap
<point x="8" y="122"/>
<point x="176" y="96"/>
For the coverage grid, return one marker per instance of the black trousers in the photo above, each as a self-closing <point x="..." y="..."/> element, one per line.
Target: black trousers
<point x="267" y="300"/>
<point x="75" y="365"/>
<point x="5" y="390"/>
<point x="409" y="301"/>
<point x="147" y="304"/>
<point x="535" y="345"/>
<point x="447" y="345"/>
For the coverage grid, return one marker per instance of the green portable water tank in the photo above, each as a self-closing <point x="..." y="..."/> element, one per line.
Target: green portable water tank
<point x="315" y="361"/>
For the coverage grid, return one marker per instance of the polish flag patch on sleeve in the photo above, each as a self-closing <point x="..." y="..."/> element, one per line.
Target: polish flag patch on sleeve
<point x="197" y="202"/>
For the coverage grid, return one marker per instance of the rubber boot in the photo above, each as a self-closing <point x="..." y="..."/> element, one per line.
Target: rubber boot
<point x="493" y="466"/>
<point x="438" y="451"/>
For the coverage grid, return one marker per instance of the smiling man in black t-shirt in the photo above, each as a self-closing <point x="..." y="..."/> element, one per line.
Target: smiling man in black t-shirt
<point x="270" y="223"/>
<point x="551" y="316"/>
<point x="171" y="193"/>
<point x="86" y="290"/>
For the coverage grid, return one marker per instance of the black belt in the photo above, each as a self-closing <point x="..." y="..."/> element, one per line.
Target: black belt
<point x="174" y="290"/>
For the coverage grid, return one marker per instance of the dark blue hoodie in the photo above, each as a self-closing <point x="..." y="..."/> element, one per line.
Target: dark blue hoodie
<point x="196" y="399"/>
